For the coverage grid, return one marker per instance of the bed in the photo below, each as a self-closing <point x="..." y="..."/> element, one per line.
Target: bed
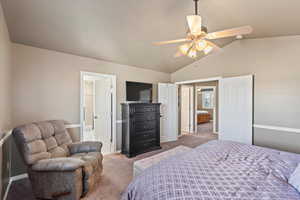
<point x="218" y="170"/>
<point x="203" y="116"/>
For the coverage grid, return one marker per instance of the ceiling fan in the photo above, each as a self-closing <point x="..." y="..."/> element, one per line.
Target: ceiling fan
<point x="199" y="40"/>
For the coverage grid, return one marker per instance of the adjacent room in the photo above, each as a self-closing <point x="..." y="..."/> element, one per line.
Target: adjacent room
<point x="149" y="100"/>
<point x="198" y="108"/>
<point x="206" y="108"/>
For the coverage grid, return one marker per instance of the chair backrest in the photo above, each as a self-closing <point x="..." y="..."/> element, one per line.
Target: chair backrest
<point x="42" y="140"/>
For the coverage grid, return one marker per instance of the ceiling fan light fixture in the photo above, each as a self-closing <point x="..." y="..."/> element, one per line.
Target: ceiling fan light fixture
<point x="207" y="49"/>
<point x="192" y="53"/>
<point x="184" y="49"/>
<point x="198" y="39"/>
<point x="200" y="45"/>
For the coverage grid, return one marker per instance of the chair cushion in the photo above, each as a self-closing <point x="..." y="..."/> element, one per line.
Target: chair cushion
<point x="92" y="168"/>
<point x="92" y="161"/>
<point x="58" y="164"/>
<point x="46" y="129"/>
<point x="85" y="147"/>
<point x="42" y="140"/>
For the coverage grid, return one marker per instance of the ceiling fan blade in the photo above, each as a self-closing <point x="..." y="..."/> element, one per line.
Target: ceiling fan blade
<point x="178" y="54"/>
<point x="171" y="41"/>
<point x="211" y="48"/>
<point x="215" y="47"/>
<point x="230" y="32"/>
<point x="195" y="24"/>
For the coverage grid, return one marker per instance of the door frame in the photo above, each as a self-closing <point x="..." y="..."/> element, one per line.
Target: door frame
<point x="217" y="78"/>
<point x="214" y="109"/>
<point x="114" y="103"/>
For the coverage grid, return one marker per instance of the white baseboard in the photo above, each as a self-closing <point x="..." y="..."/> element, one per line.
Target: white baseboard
<point x="19" y="177"/>
<point x="70" y="126"/>
<point x="277" y="128"/>
<point x="7" y="189"/>
<point x="163" y="139"/>
<point x="12" y="179"/>
<point x="6" y="136"/>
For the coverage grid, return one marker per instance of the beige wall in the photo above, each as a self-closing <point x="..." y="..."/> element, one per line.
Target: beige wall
<point x="5" y="100"/>
<point x="5" y="75"/>
<point x="47" y="83"/>
<point x="275" y="63"/>
<point x="47" y="86"/>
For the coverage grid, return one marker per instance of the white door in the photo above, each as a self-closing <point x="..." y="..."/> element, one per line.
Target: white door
<point x="98" y="117"/>
<point x="191" y="109"/>
<point x="167" y="96"/>
<point x="186" y="107"/>
<point x="103" y="113"/>
<point x="236" y="109"/>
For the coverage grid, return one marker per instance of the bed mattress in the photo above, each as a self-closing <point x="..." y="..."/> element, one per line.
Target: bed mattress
<point x="219" y="170"/>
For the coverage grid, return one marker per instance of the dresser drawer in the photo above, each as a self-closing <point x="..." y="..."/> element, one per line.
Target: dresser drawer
<point x="145" y="135"/>
<point x="143" y="145"/>
<point x="142" y="117"/>
<point x="143" y="108"/>
<point x="140" y="128"/>
<point x="144" y="126"/>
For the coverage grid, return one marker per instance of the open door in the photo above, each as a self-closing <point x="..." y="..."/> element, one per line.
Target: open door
<point x="167" y="96"/>
<point x="103" y="114"/>
<point x="187" y="108"/>
<point x="236" y="109"/>
<point x="98" y="110"/>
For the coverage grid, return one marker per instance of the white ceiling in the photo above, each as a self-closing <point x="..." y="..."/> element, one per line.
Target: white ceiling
<point x="123" y="31"/>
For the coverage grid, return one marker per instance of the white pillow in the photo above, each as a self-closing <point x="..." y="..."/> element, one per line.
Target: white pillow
<point x="294" y="179"/>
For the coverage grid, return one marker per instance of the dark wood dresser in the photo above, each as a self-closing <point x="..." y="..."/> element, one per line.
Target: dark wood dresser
<point x="140" y="128"/>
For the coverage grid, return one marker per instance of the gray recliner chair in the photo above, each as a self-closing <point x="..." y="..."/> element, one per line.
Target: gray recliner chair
<point x="59" y="167"/>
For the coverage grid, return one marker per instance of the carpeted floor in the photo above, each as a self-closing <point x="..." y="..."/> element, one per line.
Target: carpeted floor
<point x="205" y="128"/>
<point x="117" y="172"/>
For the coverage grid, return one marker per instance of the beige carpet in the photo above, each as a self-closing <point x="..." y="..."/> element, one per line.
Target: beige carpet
<point x="205" y="128"/>
<point x="117" y="172"/>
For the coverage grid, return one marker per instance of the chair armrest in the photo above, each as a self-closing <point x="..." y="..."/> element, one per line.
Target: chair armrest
<point x="85" y="147"/>
<point x="58" y="164"/>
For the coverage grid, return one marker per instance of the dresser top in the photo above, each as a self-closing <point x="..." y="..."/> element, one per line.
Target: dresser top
<point x="138" y="103"/>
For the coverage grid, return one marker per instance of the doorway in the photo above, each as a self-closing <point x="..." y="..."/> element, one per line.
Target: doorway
<point x="233" y="99"/>
<point x="198" y="108"/>
<point x="206" y="106"/>
<point x="98" y="109"/>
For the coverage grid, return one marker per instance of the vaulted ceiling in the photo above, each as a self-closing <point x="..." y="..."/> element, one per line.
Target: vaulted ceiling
<point x="123" y="31"/>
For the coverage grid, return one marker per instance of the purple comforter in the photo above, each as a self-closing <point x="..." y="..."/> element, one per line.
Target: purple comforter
<point x="219" y="170"/>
